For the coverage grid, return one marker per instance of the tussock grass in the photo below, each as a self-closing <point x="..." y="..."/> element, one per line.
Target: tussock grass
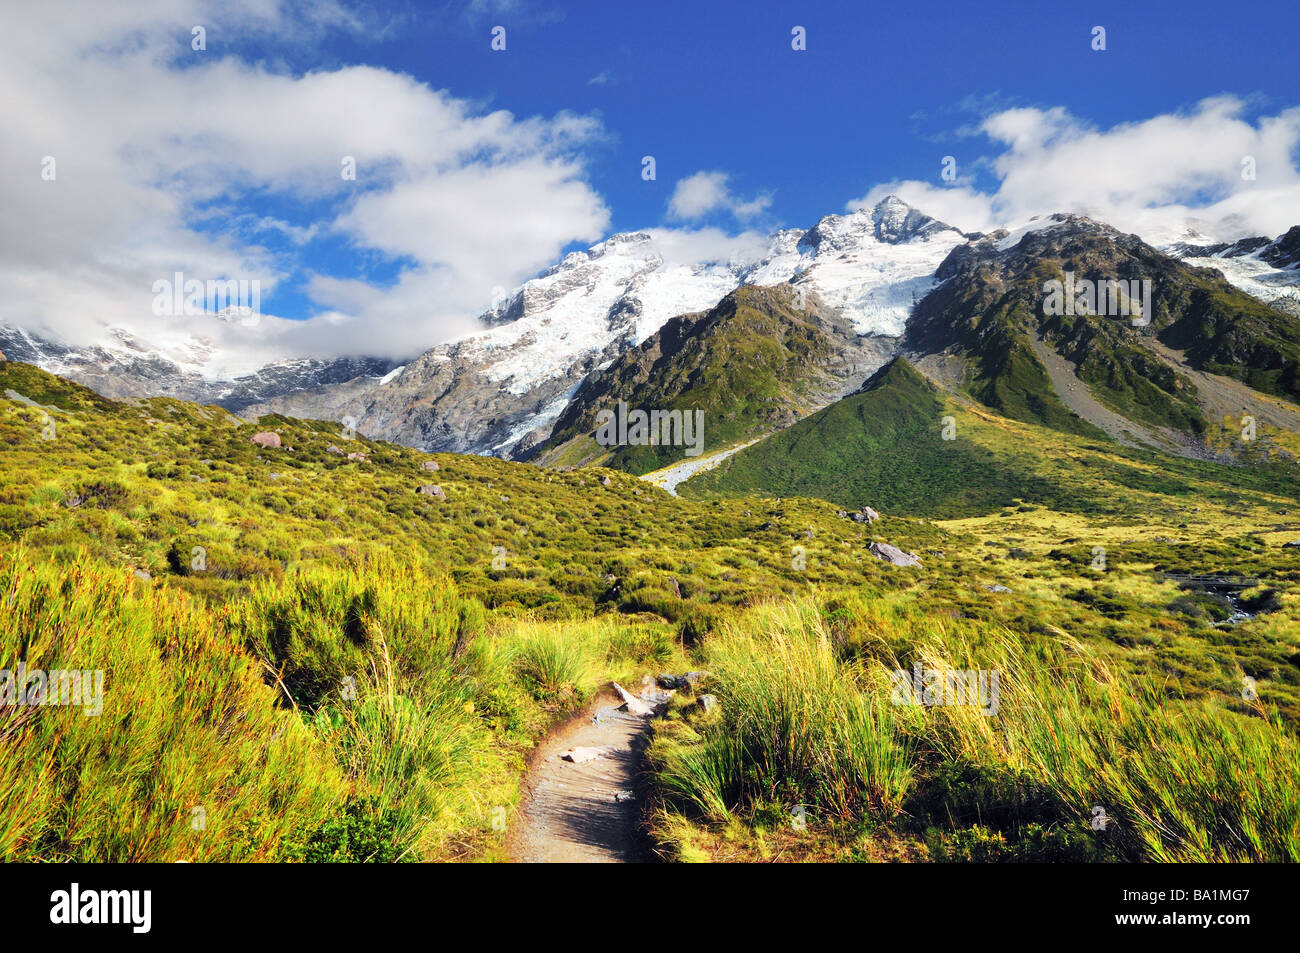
<point x="187" y="723"/>
<point x="797" y="723"/>
<point x="807" y="716"/>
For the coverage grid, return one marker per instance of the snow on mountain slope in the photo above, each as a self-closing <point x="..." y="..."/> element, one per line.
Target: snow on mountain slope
<point x="180" y="363"/>
<point x="500" y="390"/>
<point x="1268" y="269"/>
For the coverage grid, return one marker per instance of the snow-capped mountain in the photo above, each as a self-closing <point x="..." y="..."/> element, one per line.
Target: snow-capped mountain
<point x="1268" y="269"/>
<point x="500" y="390"/>
<point x="196" y="368"/>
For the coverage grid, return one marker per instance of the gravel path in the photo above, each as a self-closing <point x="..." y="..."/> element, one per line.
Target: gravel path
<point x="588" y="812"/>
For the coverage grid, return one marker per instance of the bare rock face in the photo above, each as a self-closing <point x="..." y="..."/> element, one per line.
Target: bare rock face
<point x="266" y="439"/>
<point x="430" y="465"/>
<point x="437" y="492"/>
<point x="887" y="553"/>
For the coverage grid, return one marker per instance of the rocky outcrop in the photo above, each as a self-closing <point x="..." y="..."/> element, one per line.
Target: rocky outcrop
<point x="266" y="438"/>
<point x="888" y="553"/>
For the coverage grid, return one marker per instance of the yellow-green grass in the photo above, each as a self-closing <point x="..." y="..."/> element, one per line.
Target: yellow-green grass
<point x="364" y="713"/>
<point x="1070" y="741"/>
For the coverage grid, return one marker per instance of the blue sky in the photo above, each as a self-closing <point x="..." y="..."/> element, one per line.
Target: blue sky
<point x="477" y="167"/>
<point x="878" y="95"/>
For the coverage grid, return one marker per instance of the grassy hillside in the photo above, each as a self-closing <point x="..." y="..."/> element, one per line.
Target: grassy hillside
<point x="885" y="447"/>
<point x="307" y="659"/>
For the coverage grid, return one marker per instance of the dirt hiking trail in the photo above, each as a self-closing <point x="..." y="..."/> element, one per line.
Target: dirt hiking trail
<point x="585" y="810"/>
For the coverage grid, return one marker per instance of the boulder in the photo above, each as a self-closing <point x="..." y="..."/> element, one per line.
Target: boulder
<point x="997" y="588"/>
<point x="893" y="555"/>
<point x="430" y="489"/>
<point x="707" y="702"/>
<point x="866" y="515"/>
<point x="606" y="481"/>
<point x="430" y="465"/>
<point x="1295" y="543"/>
<point x="333" y="449"/>
<point x="358" y="455"/>
<point x="266" y="439"/>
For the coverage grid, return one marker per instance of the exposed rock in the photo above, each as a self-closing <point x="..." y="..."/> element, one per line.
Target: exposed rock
<point x="266" y="439"/>
<point x="430" y="465"/>
<point x="333" y="449"/>
<point x="893" y="555"/>
<point x="358" y="455"/>
<point x="1294" y="543"/>
<point x="866" y="515"/>
<point x="583" y="755"/>
<point x="606" y="481"/>
<point x="689" y="680"/>
<point x="143" y="574"/>
<point x="631" y="704"/>
<point x="997" y="588"/>
<point x="707" y="702"/>
<point x="430" y="489"/>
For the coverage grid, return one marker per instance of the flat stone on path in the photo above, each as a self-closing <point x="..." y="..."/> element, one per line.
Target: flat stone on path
<point x="583" y="755"/>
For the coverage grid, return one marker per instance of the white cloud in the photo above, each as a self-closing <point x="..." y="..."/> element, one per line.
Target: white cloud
<point x="697" y="195"/>
<point x="155" y="144"/>
<point x="1149" y="177"/>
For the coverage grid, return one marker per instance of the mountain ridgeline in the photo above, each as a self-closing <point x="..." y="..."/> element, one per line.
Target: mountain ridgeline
<point x="755" y="363"/>
<point x="989" y="310"/>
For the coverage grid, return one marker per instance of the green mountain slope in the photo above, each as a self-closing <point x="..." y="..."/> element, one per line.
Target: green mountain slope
<point x="990" y="310"/>
<point x="752" y="364"/>
<point x="884" y="446"/>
